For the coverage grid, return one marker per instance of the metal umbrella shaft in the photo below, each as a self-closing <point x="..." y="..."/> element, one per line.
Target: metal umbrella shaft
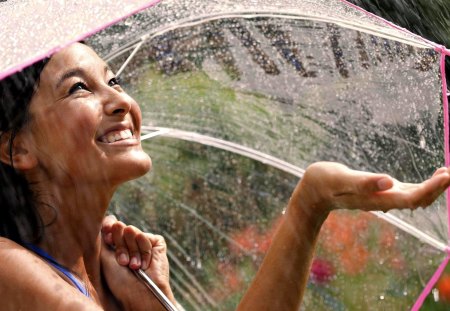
<point x="155" y="290"/>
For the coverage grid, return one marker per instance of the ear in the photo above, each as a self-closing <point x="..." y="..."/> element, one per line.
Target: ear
<point x="22" y="158"/>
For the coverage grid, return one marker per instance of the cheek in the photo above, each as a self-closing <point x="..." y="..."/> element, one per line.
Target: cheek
<point x="67" y="132"/>
<point x="76" y="129"/>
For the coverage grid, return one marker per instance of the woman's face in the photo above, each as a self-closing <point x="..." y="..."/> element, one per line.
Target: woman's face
<point x="83" y="126"/>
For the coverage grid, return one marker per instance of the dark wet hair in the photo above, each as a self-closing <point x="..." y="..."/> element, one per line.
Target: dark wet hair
<point x="19" y="219"/>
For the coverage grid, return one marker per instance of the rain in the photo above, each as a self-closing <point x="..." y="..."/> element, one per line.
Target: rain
<point x="238" y="100"/>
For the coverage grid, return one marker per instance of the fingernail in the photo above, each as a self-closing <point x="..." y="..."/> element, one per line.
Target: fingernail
<point x="384" y="184"/>
<point x="123" y="259"/>
<point x="135" y="262"/>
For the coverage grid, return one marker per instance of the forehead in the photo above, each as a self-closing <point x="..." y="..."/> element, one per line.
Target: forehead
<point x="76" y="55"/>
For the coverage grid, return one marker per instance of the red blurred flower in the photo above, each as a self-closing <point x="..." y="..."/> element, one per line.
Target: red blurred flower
<point x="322" y="271"/>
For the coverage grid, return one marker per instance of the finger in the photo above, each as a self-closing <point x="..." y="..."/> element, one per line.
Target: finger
<point x="431" y="189"/>
<point x="108" y="238"/>
<point x="120" y="244"/>
<point x="158" y="242"/>
<point x="365" y="183"/>
<point x="159" y="247"/>
<point x="145" y="249"/>
<point x="411" y="196"/>
<point x="107" y="223"/>
<point x="159" y="266"/>
<point x="440" y="171"/>
<point x="374" y="183"/>
<point x="129" y="234"/>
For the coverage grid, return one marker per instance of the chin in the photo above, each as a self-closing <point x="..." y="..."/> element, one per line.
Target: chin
<point x="141" y="165"/>
<point x="134" y="167"/>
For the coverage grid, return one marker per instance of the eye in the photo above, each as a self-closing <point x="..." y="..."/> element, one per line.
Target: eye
<point x="114" y="81"/>
<point x="77" y="87"/>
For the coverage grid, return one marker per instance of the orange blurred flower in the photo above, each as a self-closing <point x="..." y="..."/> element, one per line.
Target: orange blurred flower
<point x="443" y="286"/>
<point x="344" y="235"/>
<point x="251" y="239"/>
<point x="354" y="259"/>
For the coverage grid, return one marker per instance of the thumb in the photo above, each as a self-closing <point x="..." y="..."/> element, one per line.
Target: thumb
<point x="367" y="183"/>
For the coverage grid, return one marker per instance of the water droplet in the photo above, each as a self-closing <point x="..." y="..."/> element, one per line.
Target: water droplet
<point x="199" y="265"/>
<point x="435" y="292"/>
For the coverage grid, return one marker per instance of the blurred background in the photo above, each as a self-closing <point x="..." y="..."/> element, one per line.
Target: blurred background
<point x="281" y="86"/>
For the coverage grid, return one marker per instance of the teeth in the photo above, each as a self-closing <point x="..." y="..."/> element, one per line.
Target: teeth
<point x="123" y="135"/>
<point x="111" y="138"/>
<point x="116" y="136"/>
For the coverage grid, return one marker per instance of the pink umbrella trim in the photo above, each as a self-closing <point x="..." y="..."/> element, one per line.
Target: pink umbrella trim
<point x="430" y="285"/>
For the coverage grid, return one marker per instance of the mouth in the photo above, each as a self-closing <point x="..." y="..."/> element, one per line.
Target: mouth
<point x="115" y="136"/>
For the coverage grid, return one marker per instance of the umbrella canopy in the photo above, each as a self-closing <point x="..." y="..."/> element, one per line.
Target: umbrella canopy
<point x="31" y="30"/>
<point x="238" y="98"/>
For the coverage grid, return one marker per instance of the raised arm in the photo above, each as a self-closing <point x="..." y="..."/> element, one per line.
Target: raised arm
<point x="281" y="280"/>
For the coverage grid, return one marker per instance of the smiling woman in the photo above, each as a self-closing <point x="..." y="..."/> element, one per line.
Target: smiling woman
<point x="67" y="132"/>
<point x="70" y="135"/>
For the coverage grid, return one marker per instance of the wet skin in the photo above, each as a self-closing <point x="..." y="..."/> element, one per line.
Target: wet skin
<point x="77" y="105"/>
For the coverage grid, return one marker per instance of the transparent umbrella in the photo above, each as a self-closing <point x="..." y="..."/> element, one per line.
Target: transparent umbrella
<point x="238" y="98"/>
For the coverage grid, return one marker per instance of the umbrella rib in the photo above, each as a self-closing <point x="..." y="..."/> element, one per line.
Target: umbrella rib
<point x="394" y="220"/>
<point x="184" y="294"/>
<point x="198" y="20"/>
<point x="136" y="49"/>
<point x="192" y="279"/>
<point x="225" y="145"/>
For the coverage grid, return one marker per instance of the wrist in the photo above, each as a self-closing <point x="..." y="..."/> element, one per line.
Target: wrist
<point x="307" y="203"/>
<point x="142" y="298"/>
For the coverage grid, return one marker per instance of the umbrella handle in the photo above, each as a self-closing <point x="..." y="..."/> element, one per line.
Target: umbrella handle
<point x="155" y="290"/>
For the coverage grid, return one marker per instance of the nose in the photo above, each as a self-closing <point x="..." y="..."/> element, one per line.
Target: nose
<point x="117" y="103"/>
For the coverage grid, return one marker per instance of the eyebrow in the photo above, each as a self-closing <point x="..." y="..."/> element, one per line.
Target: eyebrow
<point x="76" y="72"/>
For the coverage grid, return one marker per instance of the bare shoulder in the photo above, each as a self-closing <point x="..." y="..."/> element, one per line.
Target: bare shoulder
<point x="28" y="283"/>
<point x="7" y="242"/>
<point x="11" y="252"/>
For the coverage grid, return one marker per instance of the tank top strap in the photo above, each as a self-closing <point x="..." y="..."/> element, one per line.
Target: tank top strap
<point x="75" y="281"/>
